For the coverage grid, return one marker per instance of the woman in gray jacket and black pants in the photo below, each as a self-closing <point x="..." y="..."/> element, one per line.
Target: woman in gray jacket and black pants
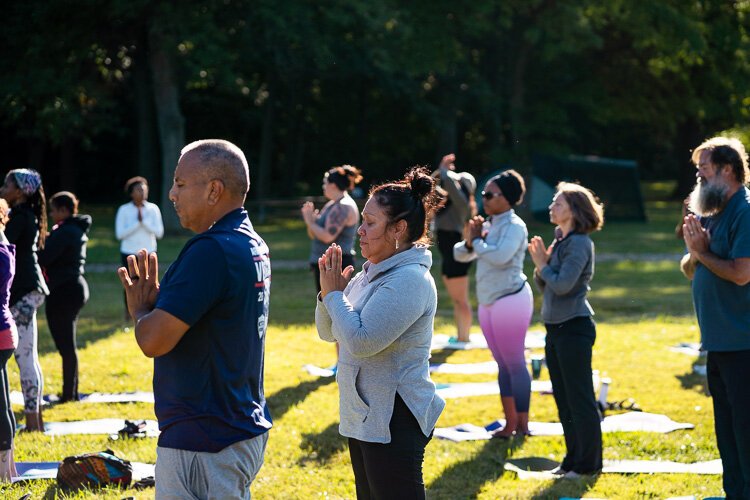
<point x="382" y="319"/>
<point x="563" y="272"/>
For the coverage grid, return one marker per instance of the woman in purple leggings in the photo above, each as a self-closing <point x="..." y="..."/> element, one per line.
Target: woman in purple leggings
<point x="505" y="300"/>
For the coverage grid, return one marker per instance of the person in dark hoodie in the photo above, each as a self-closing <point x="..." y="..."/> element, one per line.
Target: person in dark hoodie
<point x="63" y="260"/>
<point x="27" y="230"/>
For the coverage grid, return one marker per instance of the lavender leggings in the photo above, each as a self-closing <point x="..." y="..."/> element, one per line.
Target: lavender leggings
<point x="504" y="324"/>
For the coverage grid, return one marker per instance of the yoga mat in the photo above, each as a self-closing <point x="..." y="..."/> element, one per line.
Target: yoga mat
<point x="462" y="390"/>
<point x="16" y="397"/>
<point x="441" y="341"/>
<point x="101" y="426"/>
<point x="625" y="422"/>
<point x="29" y="471"/>
<point x="690" y="348"/>
<point x="465" y="368"/>
<point x="539" y="467"/>
<point x="534" y="340"/>
<point x="318" y="371"/>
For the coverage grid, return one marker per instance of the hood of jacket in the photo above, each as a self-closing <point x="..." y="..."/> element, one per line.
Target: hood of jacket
<point x="417" y="254"/>
<point x="82" y="221"/>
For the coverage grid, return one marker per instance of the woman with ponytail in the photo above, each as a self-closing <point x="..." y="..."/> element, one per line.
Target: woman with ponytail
<point x="382" y="319"/>
<point x="27" y="230"/>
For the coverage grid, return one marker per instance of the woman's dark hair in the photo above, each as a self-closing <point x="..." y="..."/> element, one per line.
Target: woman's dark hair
<point x="66" y="200"/>
<point x="131" y="183"/>
<point x="412" y="199"/>
<point x="344" y="177"/>
<point x="38" y="204"/>
<point x="511" y="185"/>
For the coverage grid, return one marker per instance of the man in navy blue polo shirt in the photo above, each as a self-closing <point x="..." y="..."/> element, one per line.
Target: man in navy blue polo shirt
<point x="718" y="262"/>
<point x="205" y="326"/>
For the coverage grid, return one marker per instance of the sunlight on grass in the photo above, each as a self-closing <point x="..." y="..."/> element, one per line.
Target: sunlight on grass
<point x="642" y="309"/>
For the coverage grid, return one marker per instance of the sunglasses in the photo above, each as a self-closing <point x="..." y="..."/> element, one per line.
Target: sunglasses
<point x="488" y="196"/>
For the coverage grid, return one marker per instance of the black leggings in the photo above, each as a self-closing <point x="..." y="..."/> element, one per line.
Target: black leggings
<point x="63" y="305"/>
<point x="392" y="470"/>
<point x="568" y="354"/>
<point x="7" y="419"/>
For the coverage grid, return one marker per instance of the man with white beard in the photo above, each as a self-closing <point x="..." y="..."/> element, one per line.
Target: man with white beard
<point x="718" y="262"/>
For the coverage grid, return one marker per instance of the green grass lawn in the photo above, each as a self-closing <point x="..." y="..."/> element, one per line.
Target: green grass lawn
<point x="642" y="309"/>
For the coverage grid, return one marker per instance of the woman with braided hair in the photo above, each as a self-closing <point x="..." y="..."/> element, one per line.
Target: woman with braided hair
<point x="27" y="230"/>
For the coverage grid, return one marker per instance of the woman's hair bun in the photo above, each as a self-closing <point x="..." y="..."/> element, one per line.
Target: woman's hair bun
<point x="353" y="173"/>
<point x="421" y="182"/>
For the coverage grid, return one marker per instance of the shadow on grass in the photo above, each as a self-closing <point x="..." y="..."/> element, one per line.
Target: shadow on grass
<point x="51" y="493"/>
<point x="566" y="488"/>
<point x="281" y="401"/>
<point x="469" y="476"/>
<point x="440" y="356"/>
<point x="694" y="381"/>
<point x="322" y="446"/>
<point x="86" y="333"/>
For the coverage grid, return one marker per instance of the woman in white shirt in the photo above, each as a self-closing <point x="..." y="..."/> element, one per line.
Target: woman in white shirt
<point x="138" y="224"/>
<point x="505" y="299"/>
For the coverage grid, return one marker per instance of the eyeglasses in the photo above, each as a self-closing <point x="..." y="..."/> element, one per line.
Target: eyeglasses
<point x="488" y="196"/>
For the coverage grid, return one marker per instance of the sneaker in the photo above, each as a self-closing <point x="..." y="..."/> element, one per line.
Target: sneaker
<point x="454" y="340"/>
<point x="576" y="475"/>
<point x="334" y="369"/>
<point x="558" y="471"/>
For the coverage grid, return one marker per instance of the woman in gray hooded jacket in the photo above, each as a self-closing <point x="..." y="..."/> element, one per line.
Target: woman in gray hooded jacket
<point x="382" y="319"/>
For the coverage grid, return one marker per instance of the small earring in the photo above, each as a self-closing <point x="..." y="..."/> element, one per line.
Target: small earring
<point x="396" y="244"/>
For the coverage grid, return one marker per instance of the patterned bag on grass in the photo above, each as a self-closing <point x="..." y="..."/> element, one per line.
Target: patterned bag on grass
<point x="92" y="470"/>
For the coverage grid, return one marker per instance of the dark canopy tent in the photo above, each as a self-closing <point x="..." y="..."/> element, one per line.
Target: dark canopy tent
<point x="615" y="182"/>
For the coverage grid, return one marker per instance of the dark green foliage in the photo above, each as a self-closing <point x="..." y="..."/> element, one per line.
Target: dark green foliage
<point x="304" y="85"/>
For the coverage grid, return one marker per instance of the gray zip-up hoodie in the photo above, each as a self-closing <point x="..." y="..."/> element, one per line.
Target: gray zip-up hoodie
<point x="383" y="322"/>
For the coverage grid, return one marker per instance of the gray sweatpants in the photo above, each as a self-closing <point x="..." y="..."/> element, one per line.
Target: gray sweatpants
<point x="182" y="474"/>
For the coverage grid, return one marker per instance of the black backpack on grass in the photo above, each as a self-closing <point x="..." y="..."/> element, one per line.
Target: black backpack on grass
<point x="94" y="470"/>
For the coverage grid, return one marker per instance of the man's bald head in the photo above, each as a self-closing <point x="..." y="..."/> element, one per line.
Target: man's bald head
<point x="224" y="161"/>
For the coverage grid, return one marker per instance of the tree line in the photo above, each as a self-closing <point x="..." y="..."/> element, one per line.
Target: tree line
<point x="95" y="91"/>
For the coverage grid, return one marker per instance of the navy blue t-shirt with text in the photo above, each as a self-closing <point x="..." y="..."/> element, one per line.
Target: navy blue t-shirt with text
<point x="208" y="390"/>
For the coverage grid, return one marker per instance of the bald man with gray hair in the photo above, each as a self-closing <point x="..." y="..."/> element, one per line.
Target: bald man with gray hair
<point x="205" y="326"/>
<point x="223" y="160"/>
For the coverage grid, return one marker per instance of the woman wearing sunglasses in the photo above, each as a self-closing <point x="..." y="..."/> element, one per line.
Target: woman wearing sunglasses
<point x="498" y="244"/>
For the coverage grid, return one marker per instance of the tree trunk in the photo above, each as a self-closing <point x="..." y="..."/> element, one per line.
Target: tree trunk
<point x="147" y="143"/>
<point x="266" y="151"/>
<point x="170" y="121"/>
<point x="36" y="153"/>
<point x="517" y="103"/>
<point x="447" y="142"/>
<point x="298" y="159"/>
<point x="67" y="181"/>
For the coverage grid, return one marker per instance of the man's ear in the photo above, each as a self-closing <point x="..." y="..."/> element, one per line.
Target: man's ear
<point x="215" y="191"/>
